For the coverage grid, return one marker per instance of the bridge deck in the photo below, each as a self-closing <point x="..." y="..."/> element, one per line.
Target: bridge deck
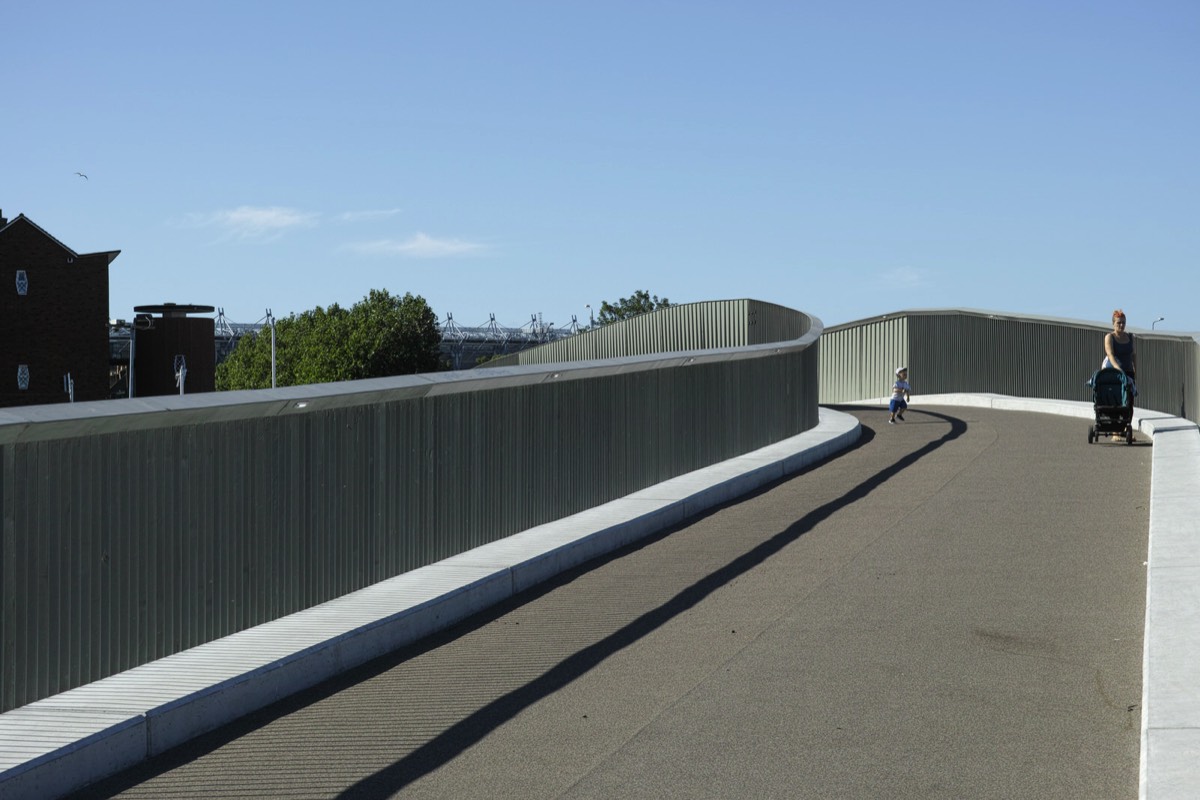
<point x="952" y="608"/>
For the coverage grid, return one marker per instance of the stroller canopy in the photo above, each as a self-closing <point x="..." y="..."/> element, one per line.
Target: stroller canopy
<point x="1112" y="387"/>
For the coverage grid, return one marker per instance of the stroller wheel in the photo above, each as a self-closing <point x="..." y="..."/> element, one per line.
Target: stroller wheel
<point x="1129" y="436"/>
<point x="1091" y="433"/>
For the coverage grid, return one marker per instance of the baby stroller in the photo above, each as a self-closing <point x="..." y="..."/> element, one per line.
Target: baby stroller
<point x="1112" y="400"/>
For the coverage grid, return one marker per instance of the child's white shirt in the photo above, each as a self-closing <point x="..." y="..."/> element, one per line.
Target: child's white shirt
<point x="899" y="388"/>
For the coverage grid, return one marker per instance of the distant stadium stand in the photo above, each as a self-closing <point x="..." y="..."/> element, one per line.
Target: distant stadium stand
<point x="462" y="348"/>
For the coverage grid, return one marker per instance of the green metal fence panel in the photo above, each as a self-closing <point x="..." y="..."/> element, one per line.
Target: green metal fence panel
<point x="951" y="351"/>
<point x="1168" y="374"/>
<point x="858" y="361"/>
<point x="133" y="529"/>
<point x="981" y="353"/>
<point x="690" y="326"/>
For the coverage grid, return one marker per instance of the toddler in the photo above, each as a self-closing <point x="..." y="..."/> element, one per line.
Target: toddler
<point x="900" y="395"/>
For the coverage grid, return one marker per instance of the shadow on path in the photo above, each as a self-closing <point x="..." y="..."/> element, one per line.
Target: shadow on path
<point x="473" y="728"/>
<point x="444" y="747"/>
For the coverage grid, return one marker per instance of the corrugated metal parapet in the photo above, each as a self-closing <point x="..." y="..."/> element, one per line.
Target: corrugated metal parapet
<point x="959" y="350"/>
<point x="858" y="360"/>
<point x="690" y="326"/>
<point x="133" y="529"/>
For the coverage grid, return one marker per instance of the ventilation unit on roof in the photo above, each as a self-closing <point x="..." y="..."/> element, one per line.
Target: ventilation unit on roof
<point x="173" y="348"/>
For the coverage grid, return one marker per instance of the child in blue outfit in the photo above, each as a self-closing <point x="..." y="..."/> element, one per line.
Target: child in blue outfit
<point x="900" y="395"/>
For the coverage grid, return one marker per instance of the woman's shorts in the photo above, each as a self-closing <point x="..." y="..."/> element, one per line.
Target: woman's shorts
<point x="897" y="404"/>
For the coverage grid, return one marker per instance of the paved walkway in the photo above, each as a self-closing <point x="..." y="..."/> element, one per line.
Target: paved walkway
<point x="952" y="608"/>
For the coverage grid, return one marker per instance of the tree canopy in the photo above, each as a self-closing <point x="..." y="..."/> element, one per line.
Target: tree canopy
<point x="380" y="335"/>
<point x="639" y="303"/>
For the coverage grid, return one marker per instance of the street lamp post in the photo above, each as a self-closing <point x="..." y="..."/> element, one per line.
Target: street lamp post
<point x="271" y="322"/>
<point x="1152" y="324"/>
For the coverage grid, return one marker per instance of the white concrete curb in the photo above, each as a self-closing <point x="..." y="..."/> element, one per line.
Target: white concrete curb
<point x="57" y="745"/>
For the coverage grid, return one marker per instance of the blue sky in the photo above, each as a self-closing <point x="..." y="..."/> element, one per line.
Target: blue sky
<point x="519" y="158"/>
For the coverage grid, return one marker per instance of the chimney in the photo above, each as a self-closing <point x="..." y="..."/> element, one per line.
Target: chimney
<point x="3" y="221"/>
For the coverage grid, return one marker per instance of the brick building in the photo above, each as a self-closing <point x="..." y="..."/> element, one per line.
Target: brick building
<point x="53" y="318"/>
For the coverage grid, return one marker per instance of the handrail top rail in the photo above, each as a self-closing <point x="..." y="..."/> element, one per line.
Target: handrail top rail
<point x="61" y="420"/>
<point x="1011" y="316"/>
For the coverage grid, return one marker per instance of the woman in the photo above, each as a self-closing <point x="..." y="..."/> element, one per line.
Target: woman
<point x="1119" y="353"/>
<point x="1118" y="347"/>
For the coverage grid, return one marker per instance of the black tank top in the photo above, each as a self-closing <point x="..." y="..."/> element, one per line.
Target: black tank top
<point x="1124" y="352"/>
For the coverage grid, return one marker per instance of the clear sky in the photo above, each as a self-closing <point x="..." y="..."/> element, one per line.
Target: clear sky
<point x="847" y="159"/>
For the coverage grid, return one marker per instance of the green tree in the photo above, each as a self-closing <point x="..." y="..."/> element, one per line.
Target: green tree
<point x="249" y="365"/>
<point x="393" y="336"/>
<point x="639" y="303"/>
<point x="381" y="335"/>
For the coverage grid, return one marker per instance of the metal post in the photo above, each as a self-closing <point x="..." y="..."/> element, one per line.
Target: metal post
<point x="132" y="348"/>
<point x="271" y="322"/>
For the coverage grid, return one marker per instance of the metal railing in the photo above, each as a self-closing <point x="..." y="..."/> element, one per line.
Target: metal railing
<point x="133" y="529"/>
<point x="691" y="326"/>
<point x="1010" y="354"/>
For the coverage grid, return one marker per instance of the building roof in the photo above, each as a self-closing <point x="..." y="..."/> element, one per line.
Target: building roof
<point x="109" y="254"/>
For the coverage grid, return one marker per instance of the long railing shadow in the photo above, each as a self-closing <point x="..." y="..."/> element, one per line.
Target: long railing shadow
<point x="460" y="736"/>
<point x="477" y="725"/>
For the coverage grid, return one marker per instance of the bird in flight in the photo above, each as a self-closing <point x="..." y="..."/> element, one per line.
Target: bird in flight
<point x="80" y="174"/>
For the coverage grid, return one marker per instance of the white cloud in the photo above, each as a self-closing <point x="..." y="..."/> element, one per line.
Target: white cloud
<point x="259" y="223"/>
<point x="361" y="216"/>
<point x="418" y="245"/>
<point x="905" y="277"/>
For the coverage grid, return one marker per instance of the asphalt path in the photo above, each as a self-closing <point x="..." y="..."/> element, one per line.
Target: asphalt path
<point x="953" y="608"/>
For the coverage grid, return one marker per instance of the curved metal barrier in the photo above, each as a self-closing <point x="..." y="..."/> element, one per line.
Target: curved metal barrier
<point x="690" y="326"/>
<point x="134" y="529"/>
<point x="959" y="350"/>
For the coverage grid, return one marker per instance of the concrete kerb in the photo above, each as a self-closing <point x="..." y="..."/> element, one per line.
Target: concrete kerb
<point x="1170" y="759"/>
<point x="57" y="745"/>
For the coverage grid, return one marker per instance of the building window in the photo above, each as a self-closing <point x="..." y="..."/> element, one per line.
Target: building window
<point x="22" y="282"/>
<point x="23" y="377"/>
